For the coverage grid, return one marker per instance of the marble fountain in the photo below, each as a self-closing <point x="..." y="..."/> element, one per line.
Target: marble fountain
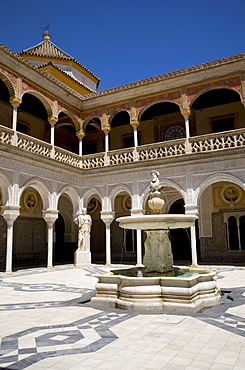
<point x="158" y="285"/>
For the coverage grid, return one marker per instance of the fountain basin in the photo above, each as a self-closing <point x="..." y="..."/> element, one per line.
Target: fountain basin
<point x="187" y="294"/>
<point x="157" y="221"/>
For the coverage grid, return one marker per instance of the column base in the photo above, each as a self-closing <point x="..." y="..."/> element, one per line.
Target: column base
<point x="9" y="272"/>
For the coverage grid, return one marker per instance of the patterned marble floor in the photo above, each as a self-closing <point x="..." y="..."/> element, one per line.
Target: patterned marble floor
<point x="47" y="322"/>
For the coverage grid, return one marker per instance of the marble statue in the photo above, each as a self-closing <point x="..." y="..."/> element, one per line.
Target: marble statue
<point x="84" y="225"/>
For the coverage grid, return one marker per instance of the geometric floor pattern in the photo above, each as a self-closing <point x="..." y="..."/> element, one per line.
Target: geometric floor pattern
<point x="25" y="348"/>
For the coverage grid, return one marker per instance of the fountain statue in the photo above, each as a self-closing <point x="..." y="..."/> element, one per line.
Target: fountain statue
<point x="159" y="285"/>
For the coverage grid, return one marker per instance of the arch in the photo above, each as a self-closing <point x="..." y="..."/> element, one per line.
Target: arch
<point x="206" y="90"/>
<point x="73" y="195"/>
<point x="72" y="117"/>
<point x="6" y="189"/>
<point x="217" y="178"/>
<point x="149" y="105"/>
<point x="116" y="190"/>
<point x="117" y="111"/>
<point x="8" y="84"/>
<point x="89" y="194"/>
<point x="88" y="120"/>
<point x="42" y="99"/>
<point x="41" y="188"/>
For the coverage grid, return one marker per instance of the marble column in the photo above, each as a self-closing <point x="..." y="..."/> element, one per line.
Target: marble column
<point x="15" y="104"/>
<point x="186" y="114"/>
<point x="192" y="210"/>
<point x="106" y="130"/>
<point x="10" y="213"/>
<point x="107" y="217"/>
<point x="52" y="121"/>
<point x="50" y="217"/>
<point x="135" y="125"/>
<point x="80" y="134"/>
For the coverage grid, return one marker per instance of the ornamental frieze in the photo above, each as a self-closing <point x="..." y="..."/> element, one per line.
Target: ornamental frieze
<point x="124" y="106"/>
<point x="94" y="113"/>
<point x="174" y="96"/>
<point x="234" y="82"/>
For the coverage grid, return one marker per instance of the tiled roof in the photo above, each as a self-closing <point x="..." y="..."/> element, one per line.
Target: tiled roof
<point x="65" y="73"/>
<point x="44" y="74"/>
<point x="47" y="49"/>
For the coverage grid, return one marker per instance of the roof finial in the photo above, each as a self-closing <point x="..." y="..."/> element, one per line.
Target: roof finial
<point x="46" y="36"/>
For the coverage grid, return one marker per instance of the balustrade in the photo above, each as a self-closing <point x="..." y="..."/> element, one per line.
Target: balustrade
<point x="204" y="143"/>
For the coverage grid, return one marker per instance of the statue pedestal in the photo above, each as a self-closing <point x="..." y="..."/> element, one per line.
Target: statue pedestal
<point x="82" y="258"/>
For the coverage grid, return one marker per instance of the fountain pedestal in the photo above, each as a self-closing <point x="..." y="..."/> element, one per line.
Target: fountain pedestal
<point x="158" y="254"/>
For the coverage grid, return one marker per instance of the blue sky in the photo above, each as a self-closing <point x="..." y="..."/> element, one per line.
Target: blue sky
<point x="127" y="40"/>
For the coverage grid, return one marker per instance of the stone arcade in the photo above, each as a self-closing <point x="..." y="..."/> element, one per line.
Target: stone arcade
<point x="65" y="146"/>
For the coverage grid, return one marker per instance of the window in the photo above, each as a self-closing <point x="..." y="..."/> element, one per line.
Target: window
<point x="235" y="226"/>
<point x="174" y="132"/>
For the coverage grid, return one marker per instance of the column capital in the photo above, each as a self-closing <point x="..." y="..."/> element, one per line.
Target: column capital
<point x="191" y="209"/>
<point x="186" y="112"/>
<point x="52" y="119"/>
<point x="15" y="101"/>
<point x="80" y="134"/>
<point x="106" y="129"/>
<point x="50" y="216"/>
<point x="107" y="217"/>
<point x="10" y="213"/>
<point x="134" y="122"/>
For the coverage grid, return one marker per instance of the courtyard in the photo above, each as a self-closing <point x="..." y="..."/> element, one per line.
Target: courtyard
<point x="47" y="322"/>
